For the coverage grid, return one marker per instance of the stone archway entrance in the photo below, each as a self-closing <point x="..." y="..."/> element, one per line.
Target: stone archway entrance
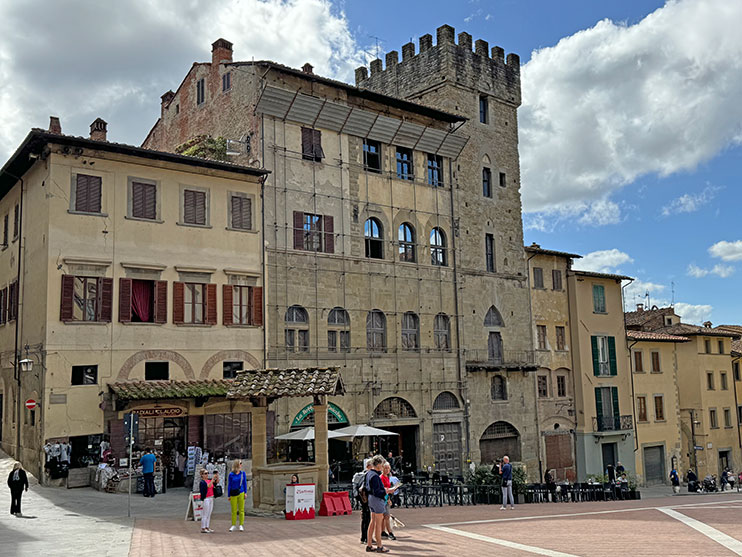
<point x="498" y="440"/>
<point x="397" y="415"/>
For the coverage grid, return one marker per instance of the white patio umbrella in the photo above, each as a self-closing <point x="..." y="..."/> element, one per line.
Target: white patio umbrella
<point x="305" y="434"/>
<point x="351" y="432"/>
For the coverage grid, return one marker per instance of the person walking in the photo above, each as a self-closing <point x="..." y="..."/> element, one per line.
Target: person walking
<point x="148" y="462"/>
<point x="236" y="493"/>
<point x="506" y="472"/>
<point x="377" y="504"/>
<point x="611" y="473"/>
<point x="386" y="479"/>
<point x="206" y="488"/>
<point x="675" y="481"/>
<point x="550" y="484"/>
<point x="18" y="483"/>
<point x="361" y="494"/>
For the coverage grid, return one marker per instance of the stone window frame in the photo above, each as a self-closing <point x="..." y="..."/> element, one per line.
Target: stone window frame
<point x="542" y="381"/>
<point x="661" y="398"/>
<point x="104" y="176"/>
<point x="130" y="199"/>
<point x="243" y="195"/>
<point x="181" y="206"/>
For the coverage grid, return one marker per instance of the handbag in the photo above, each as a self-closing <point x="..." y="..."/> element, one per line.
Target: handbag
<point x="218" y="491"/>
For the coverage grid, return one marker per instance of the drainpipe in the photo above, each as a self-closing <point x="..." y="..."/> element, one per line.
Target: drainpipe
<point x="633" y="398"/>
<point x="535" y="386"/>
<point x="736" y="403"/>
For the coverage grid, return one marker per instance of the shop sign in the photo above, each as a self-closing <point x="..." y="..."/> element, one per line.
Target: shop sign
<point x="332" y="410"/>
<point x="158" y="412"/>
<point x="299" y="501"/>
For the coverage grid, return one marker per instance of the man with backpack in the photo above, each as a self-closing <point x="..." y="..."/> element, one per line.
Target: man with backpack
<point x="361" y="495"/>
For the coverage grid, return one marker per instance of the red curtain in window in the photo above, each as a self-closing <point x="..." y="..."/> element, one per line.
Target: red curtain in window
<point x="141" y="300"/>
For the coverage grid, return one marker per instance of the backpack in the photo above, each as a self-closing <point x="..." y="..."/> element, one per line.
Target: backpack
<point x="363" y="490"/>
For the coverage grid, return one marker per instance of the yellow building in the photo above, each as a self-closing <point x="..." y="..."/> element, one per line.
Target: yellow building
<point x="654" y="363"/>
<point x="138" y="286"/>
<point x="706" y="390"/>
<point x="602" y="377"/>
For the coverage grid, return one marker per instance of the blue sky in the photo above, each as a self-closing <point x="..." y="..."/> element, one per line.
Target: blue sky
<point x="630" y="127"/>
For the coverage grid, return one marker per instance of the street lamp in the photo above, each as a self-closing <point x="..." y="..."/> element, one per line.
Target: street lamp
<point x="26" y="365"/>
<point x="22" y="366"/>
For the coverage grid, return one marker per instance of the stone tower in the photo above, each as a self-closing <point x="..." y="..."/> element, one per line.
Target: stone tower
<point x="482" y="85"/>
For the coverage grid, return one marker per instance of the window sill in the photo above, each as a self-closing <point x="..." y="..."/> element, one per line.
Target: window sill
<point x="600" y="312"/>
<point x="499" y="401"/>
<point x="538" y="287"/>
<point x="660" y="421"/>
<point x="194" y="325"/>
<point x="562" y="350"/>
<point x="728" y="427"/>
<point x="656" y="372"/>
<point x="191" y="225"/>
<point x="142" y="219"/>
<point x="86" y="322"/>
<point x="642" y="421"/>
<point x="141" y="323"/>
<point x="241" y="326"/>
<point x="543" y="350"/>
<point x="73" y="212"/>
<point x="86" y="385"/>
<point x="245" y="230"/>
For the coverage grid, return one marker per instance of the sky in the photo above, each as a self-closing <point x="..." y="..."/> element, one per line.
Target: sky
<point x="630" y="126"/>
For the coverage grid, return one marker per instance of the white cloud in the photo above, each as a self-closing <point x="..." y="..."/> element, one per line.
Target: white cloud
<point x="689" y="203"/>
<point x="727" y="251"/>
<point x="719" y="270"/>
<point x="600" y="213"/>
<point x="692" y="313"/>
<point x="643" y="292"/>
<point x="615" y="102"/>
<point x="603" y="261"/>
<point x="80" y="59"/>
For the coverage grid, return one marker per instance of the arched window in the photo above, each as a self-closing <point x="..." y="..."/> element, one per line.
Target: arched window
<point x="393" y="408"/>
<point x="374" y="233"/>
<point x="438" y="247"/>
<point x="493" y="318"/>
<point x="499" y="390"/>
<point x="410" y="332"/>
<point x="442" y="332"/>
<point x="406" y="243"/>
<point x="376" y="331"/>
<point x="297" y="329"/>
<point x="498" y="440"/>
<point x="338" y="330"/>
<point x="446" y="401"/>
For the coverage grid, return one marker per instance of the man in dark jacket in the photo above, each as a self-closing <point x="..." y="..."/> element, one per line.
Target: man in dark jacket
<point x="18" y="483"/>
<point x="359" y="483"/>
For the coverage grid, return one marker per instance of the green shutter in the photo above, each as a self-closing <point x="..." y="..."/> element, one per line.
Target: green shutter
<point x="612" y="355"/>
<point x="599" y="406"/>
<point x="616" y="411"/>
<point x="598" y="298"/>
<point x="596" y="356"/>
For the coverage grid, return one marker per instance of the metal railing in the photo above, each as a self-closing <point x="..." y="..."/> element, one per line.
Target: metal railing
<point x="613" y="423"/>
<point x="508" y="358"/>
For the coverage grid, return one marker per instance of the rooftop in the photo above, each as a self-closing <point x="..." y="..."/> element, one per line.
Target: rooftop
<point x="639" y="317"/>
<point x="277" y="383"/>
<point x="600" y="275"/>
<point x="684" y="329"/>
<point x="654" y="336"/>
<point x="159" y="390"/>
<point x="37" y="139"/>
<point x="535" y="248"/>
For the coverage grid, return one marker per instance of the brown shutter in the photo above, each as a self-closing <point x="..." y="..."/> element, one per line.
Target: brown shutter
<point x="68" y="294"/>
<point x="160" y="301"/>
<point x="178" y="302"/>
<point x="329" y="235"/>
<point x="236" y="203"/>
<point x="124" y="300"/>
<point x="211" y="304"/>
<point x="200" y="207"/>
<point x="94" y="194"/>
<point x="317" y="145"/>
<point x="227" y="311"/>
<point x="105" y="313"/>
<point x="257" y="306"/>
<point x="3" y="305"/>
<point x="247" y="213"/>
<point x="307" y="152"/>
<point x="298" y="230"/>
<point x="189" y="206"/>
<point x="81" y="193"/>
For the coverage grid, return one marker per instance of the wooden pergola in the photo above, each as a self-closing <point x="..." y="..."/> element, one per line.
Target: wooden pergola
<point x="261" y="387"/>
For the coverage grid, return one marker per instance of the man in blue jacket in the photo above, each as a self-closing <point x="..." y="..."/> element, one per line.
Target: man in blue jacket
<point x="506" y="471"/>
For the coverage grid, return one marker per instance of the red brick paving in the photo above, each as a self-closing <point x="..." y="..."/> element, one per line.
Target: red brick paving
<point x="634" y="532"/>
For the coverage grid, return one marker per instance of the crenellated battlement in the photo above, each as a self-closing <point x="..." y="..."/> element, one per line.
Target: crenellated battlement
<point x="466" y="62"/>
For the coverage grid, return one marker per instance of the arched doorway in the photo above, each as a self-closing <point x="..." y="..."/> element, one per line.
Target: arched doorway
<point x="447" y="418"/>
<point x="336" y="418"/>
<point x="397" y="415"/>
<point x="498" y="440"/>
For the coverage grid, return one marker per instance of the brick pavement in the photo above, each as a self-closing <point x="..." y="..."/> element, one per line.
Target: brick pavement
<point x="583" y="529"/>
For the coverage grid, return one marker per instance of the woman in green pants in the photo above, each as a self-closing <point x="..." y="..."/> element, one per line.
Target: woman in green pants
<point x="236" y="491"/>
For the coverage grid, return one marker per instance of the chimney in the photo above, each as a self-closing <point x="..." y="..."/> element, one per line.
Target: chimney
<point x="55" y="125"/>
<point x="221" y="51"/>
<point x="639" y="307"/>
<point x="99" y="130"/>
<point x="307" y="68"/>
<point x="165" y="101"/>
<point x="707" y="324"/>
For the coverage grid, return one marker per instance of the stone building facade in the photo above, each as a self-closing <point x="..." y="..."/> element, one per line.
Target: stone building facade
<point x="130" y="265"/>
<point x="383" y="256"/>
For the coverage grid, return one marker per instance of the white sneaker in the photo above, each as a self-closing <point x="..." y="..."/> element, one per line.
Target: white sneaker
<point x="233" y="528"/>
<point x="242" y="528"/>
<point x="512" y="508"/>
<point x="502" y="508"/>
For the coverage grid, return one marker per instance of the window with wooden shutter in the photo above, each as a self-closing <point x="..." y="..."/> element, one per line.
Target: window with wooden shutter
<point x="194" y="207"/>
<point x="88" y="194"/>
<point x="329" y="230"/>
<point x="105" y="288"/>
<point x="12" y="301"/>
<point x="16" y="221"/>
<point x="178" y="302"/>
<point x="143" y="200"/>
<point x="237" y="305"/>
<point x="298" y="230"/>
<point x="241" y="212"/>
<point x="311" y="145"/>
<point x="227" y="304"/>
<point x="125" y="300"/>
<point x="5" y="230"/>
<point x="211" y="312"/>
<point x="67" y="298"/>
<point x="3" y="306"/>
<point x="257" y="306"/>
<point x="160" y="304"/>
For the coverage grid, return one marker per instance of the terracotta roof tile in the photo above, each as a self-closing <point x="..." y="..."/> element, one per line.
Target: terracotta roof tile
<point x="275" y="383"/>
<point x="685" y="329"/>
<point x="634" y="318"/>
<point x="151" y="390"/>
<point x="647" y="335"/>
<point x="601" y="275"/>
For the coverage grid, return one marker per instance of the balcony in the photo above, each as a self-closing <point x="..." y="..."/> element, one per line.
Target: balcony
<point x="509" y="360"/>
<point x="612" y="423"/>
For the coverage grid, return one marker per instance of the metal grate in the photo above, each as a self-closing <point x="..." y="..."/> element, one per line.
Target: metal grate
<point x="393" y="408"/>
<point x="500" y="430"/>
<point x="446" y="401"/>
